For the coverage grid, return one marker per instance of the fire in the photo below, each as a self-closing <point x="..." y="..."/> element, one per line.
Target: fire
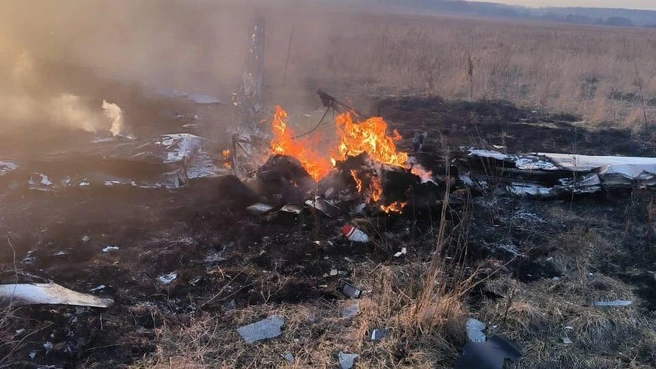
<point x="283" y="143"/>
<point x="354" y="138"/>
<point x="368" y="137"/>
<point x="358" y="182"/>
<point x="226" y="158"/>
<point x="425" y="175"/>
<point x="395" y="207"/>
<point x="376" y="190"/>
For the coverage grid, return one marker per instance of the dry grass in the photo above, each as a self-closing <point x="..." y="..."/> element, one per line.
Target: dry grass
<point x="421" y="303"/>
<point x="593" y="72"/>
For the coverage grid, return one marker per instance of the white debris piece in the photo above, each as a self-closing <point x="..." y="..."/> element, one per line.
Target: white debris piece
<point x="264" y="329"/>
<point x="402" y="252"/>
<point x="179" y="146"/>
<point x="354" y="235"/>
<point x="109" y="248"/>
<point x="289" y="357"/>
<point x="346" y="361"/>
<point x="6" y="167"/>
<point x="613" y="303"/>
<point x="567" y="341"/>
<point x="48" y="294"/>
<point x="99" y="288"/>
<point x="489" y="154"/>
<point x="167" y="278"/>
<point x="475" y="330"/>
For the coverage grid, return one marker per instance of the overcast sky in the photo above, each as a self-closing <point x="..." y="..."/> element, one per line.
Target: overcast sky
<point x="637" y="4"/>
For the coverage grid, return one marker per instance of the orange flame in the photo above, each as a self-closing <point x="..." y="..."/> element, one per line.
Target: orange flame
<point x="395" y="207"/>
<point x="226" y="158"/>
<point x="376" y="190"/>
<point x="358" y="182"/>
<point x="425" y="175"/>
<point x="283" y="143"/>
<point x="368" y="137"/>
<point x="354" y="138"/>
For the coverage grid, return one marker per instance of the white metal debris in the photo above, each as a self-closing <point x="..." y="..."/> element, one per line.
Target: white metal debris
<point x="109" y="248"/>
<point x="475" y="330"/>
<point x="264" y="329"/>
<point x="48" y="294"/>
<point x="613" y="303"/>
<point x="167" y="278"/>
<point x="402" y="252"/>
<point x="346" y="361"/>
<point x="6" y="167"/>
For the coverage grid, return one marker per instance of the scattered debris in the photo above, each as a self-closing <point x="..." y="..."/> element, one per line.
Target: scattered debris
<point x="349" y="290"/>
<point x="259" y="209"/>
<point x="354" y="235"/>
<point x="289" y="357"/>
<point x="167" y="278"/>
<point x="379" y="334"/>
<point x="264" y="329"/>
<point x="402" y="252"/>
<point x="48" y="294"/>
<point x="346" y="361"/>
<point x="548" y="175"/>
<point x="567" y="341"/>
<point x="109" y="248"/>
<point x="613" y="303"/>
<point x="475" y="330"/>
<point x="350" y="311"/>
<point x="488" y="355"/>
<point x="324" y="207"/>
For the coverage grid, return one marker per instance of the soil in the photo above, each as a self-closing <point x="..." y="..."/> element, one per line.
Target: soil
<point x="223" y="257"/>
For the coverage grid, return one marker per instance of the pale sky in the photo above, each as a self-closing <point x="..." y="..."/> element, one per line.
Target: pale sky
<point x="630" y="4"/>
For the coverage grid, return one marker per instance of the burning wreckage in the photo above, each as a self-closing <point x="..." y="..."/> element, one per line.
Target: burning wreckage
<point x="360" y="168"/>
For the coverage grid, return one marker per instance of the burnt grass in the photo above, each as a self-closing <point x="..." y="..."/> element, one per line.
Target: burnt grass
<point x="225" y="258"/>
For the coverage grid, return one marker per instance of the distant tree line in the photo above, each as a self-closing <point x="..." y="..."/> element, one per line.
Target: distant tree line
<point x="574" y="15"/>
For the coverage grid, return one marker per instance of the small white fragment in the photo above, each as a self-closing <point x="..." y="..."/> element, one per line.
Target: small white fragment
<point x="99" y="288"/>
<point x="402" y="252"/>
<point x="59" y="253"/>
<point x="109" y="248"/>
<point x="86" y="239"/>
<point x="566" y="340"/>
<point x="19" y="331"/>
<point x="289" y="357"/>
<point x="168" y="278"/>
<point x="569" y="327"/>
<point x="346" y="360"/>
<point x="613" y="303"/>
<point x="333" y="272"/>
<point x="48" y="346"/>
<point x="32" y="355"/>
